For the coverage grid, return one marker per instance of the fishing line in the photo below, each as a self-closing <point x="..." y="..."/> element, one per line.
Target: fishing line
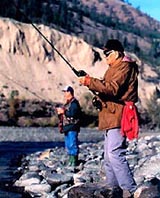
<point x="24" y="87"/>
<point x="78" y="73"/>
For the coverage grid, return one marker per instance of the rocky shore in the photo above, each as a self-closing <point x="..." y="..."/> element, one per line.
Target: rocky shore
<point x="45" y="173"/>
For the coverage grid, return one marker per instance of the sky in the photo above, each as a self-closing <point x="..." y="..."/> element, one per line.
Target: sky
<point x="150" y="7"/>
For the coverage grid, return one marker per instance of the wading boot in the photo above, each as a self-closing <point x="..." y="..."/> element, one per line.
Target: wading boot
<point x="73" y="160"/>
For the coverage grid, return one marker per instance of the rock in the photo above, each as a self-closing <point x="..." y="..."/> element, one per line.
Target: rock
<point x="94" y="190"/>
<point x="100" y="191"/>
<point x="84" y="180"/>
<point x="38" y="189"/>
<point x="28" y="179"/>
<point x="147" y="191"/>
<point x="44" y="154"/>
<point x="27" y="182"/>
<point x="56" y="179"/>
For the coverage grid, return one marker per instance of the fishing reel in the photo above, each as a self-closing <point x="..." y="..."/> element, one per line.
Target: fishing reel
<point x="97" y="103"/>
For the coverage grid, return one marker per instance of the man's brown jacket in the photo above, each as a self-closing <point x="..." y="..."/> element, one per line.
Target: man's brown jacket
<point x="119" y="84"/>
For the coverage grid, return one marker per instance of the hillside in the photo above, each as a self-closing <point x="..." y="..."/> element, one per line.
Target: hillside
<point x="28" y="64"/>
<point x="94" y="21"/>
<point x="79" y="30"/>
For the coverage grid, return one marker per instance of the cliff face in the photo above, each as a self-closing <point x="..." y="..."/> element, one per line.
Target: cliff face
<point x="94" y="21"/>
<point x="29" y="64"/>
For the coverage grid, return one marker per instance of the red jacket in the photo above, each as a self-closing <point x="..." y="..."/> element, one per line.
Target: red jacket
<point x="129" y="121"/>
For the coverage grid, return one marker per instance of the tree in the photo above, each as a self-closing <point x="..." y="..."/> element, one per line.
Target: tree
<point x="153" y="108"/>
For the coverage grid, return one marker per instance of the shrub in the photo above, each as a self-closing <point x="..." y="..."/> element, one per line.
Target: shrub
<point x="13" y="105"/>
<point x="54" y="121"/>
<point x="153" y="109"/>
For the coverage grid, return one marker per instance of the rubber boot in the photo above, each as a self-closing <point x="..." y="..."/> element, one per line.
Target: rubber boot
<point x="70" y="160"/>
<point x="73" y="160"/>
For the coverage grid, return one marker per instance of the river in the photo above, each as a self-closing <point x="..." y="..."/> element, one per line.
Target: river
<point x="16" y="142"/>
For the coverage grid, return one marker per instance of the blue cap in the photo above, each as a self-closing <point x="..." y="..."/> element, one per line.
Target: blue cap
<point x="68" y="89"/>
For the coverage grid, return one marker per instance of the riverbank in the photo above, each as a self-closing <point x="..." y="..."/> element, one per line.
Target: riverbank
<point x="46" y="174"/>
<point x="19" y="142"/>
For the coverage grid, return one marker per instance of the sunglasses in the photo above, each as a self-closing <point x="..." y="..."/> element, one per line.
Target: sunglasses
<point x="107" y="53"/>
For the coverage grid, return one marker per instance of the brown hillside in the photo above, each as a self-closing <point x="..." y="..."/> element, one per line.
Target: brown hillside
<point x="94" y="21"/>
<point x="29" y="64"/>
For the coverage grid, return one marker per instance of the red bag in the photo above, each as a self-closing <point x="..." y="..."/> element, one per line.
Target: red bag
<point x="129" y="122"/>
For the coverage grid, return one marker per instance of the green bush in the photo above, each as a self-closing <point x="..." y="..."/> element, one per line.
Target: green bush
<point x="13" y="105"/>
<point x="153" y="108"/>
<point x="54" y="120"/>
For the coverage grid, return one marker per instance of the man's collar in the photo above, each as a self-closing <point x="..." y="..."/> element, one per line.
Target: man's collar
<point x="117" y="62"/>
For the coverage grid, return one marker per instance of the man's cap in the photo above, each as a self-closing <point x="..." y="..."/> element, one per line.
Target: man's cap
<point x="68" y="89"/>
<point x="113" y="44"/>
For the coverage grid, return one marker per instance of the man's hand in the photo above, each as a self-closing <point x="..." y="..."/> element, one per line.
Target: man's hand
<point x="60" y="110"/>
<point x="85" y="80"/>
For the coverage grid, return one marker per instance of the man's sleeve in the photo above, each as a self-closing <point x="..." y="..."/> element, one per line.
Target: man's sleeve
<point x="110" y="88"/>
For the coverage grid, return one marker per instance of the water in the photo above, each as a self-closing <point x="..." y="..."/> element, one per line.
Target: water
<point x="16" y="142"/>
<point x="10" y="157"/>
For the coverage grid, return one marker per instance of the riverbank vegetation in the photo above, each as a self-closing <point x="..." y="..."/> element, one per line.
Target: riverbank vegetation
<point x="36" y="113"/>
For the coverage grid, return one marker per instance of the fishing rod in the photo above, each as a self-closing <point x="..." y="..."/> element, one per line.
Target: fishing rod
<point x="78" y="73"/>
<point x="96" y="102"/>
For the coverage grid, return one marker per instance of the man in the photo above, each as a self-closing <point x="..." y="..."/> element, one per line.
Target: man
<point x="118" y="86"/>
<point x="71" y="124"/>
